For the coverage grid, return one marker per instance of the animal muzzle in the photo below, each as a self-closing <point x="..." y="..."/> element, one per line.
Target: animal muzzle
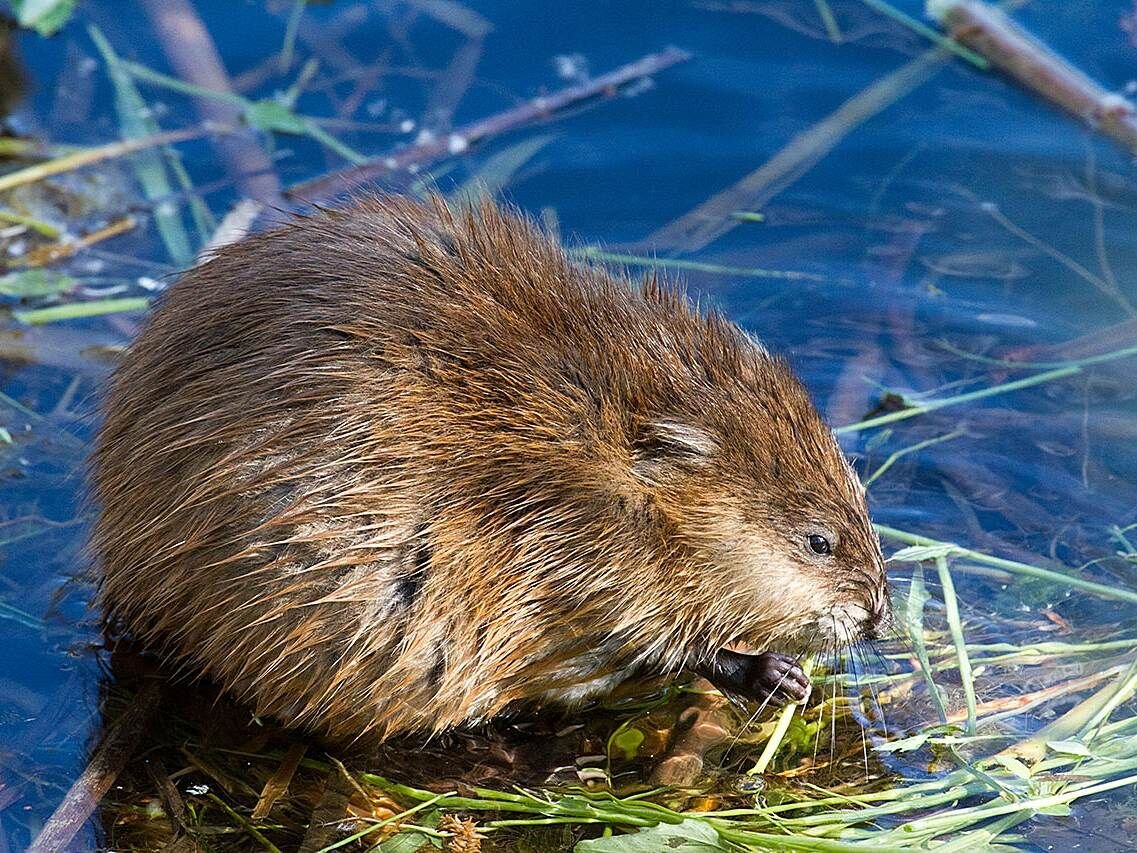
<point x="879" y="623"/>
<point x="852" y="622"/>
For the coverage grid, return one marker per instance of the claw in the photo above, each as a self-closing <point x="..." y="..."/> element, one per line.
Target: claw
<point x="768" y="677"/>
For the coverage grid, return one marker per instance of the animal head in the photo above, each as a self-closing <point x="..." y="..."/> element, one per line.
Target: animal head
<point x="746" y="477"/>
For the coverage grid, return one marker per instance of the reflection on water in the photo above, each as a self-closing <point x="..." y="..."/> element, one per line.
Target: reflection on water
<point x="961" y="227"/>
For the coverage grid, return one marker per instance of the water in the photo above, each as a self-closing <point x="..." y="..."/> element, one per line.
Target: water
<point x="967" y="214"/>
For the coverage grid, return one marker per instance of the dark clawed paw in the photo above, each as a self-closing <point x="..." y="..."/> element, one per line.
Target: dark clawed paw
<point x="768" y="677"/>
<point x="781" y="678"/>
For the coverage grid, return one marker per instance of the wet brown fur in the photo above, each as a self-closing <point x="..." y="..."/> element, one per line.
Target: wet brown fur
<point x="394" y="468"/>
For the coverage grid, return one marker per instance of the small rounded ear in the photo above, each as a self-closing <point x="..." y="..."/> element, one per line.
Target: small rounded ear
<point x="661" y="446"/>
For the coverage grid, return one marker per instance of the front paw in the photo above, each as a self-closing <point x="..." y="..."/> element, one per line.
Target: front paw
<point x="768" y="678"/>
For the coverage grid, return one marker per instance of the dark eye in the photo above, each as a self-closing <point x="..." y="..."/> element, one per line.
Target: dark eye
<point x="819" y="544"/>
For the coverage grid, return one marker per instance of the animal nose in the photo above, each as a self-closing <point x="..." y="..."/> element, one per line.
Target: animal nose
<point x="871" y="627"/>
<point x="879" y="619"/>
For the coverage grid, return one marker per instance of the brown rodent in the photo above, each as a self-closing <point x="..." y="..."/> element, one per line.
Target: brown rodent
<point x="393" y="468"/>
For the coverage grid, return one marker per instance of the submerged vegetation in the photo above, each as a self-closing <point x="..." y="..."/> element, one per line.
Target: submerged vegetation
<point x="1004" y="703"/>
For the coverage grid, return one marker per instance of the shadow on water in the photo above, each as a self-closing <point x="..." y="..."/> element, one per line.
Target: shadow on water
<point x="962" y="237"/>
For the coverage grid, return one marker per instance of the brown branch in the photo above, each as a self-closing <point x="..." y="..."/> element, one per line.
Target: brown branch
<point x="989" y="32"/>
<point x="107" y="761"/>
<point x="329" y="186"/>
<point x="1099" y="342"/>
<point x="53" y="253"/>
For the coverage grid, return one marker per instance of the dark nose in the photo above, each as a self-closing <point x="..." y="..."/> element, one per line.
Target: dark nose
<point x="879" y="622"/>
<point x="872" y="629"/>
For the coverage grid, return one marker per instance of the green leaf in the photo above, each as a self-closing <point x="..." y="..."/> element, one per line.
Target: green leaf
<point x="5" y="436"/>
<point x="1013" y="766"/>
<point x="75" y="310"/>
<point x="920" y="553"/>
<point x="408" y="841"/>
<point x="35" y="282"/>
<point x="1070" y="747"/>
<point x="690" y="836"/>
<point x="270" y="115"/>
<point x="627" y="741"/>
<point x="136" y="121"/>
<point x="46" y="17"/>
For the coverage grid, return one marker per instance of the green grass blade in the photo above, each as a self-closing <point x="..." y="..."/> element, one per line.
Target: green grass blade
<point x="134" y="124"/>
<point x="76" y="310"/>
<point x="951" y="607"/>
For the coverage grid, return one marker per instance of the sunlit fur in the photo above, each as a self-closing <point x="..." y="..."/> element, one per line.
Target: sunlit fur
<point x="394" y="468"/>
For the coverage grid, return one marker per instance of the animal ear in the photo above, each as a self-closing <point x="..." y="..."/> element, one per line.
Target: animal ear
<point x="662" y="446"/>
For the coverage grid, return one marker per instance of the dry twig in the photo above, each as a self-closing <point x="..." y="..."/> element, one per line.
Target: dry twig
<point x="989" y="32"/>
<point x="106" y="763"/>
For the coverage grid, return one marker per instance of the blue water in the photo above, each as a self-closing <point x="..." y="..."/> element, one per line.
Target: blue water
<point x="894" y="227"/>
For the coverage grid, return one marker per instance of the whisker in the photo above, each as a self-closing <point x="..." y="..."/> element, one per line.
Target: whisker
<point x="835" y="667"/>
<point x="738" y="734"/>
<point x="820" y="719"/>
<point x="853" y="659"/>
<point x="878" y="709"/>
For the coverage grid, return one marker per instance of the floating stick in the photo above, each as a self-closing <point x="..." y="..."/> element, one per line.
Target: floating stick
<point x="990" y="33"/>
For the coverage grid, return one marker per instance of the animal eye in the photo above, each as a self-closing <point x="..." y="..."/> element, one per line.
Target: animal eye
<point x="819" y="545"/>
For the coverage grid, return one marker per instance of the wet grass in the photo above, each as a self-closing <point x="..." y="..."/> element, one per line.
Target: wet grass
<point x="991" y="778"/>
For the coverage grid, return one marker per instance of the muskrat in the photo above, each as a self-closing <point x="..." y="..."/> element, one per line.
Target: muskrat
<point x="396" y="467"/>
